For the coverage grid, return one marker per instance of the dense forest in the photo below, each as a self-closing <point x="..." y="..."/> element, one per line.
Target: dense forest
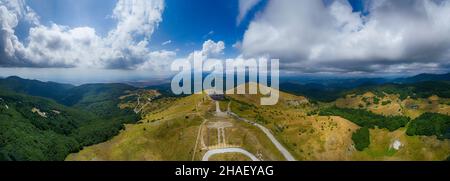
<point x="361" y="138"/>
<point x="368" y="119"/>
<point x="429" y="124"/>
<point x="38" y="128"/>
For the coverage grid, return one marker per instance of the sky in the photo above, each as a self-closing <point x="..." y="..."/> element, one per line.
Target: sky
<point x="118" y="40"/>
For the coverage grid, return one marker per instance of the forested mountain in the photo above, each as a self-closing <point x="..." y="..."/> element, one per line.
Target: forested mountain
<point x="422" y="85"/>
<point x="52" y="90"/>
<point x="424" y="77"/>
<point x="63" y="119"/>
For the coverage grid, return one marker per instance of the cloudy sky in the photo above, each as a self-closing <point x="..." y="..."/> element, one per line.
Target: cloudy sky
<point x="140" y="38"/>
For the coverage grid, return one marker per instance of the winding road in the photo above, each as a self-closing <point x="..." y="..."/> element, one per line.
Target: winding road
<point x="228" y="150"/>
<point x="266" y="131"/>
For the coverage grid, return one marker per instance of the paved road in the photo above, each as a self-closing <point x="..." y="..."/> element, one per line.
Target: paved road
<point x="228" y="150"/>
<point x="272" y="138"/>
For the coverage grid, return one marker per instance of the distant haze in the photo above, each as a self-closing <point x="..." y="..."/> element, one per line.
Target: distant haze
<point x="83" y="76"/>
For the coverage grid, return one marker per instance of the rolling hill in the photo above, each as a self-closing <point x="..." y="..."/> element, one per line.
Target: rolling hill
<point x="423" y="85"/>
<point x="294" y="121"/>
<point x="364" y="121"/>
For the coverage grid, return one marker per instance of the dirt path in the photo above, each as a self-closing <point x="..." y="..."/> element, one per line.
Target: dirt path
<point x="198" y="137"/>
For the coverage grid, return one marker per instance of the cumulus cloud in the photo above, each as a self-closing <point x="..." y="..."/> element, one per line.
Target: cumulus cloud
<point x="210" y="50"/>
<point x="213" y="48"/>
<point x="20" y="10"/>
<point x="312" y="36"/>
<point x="11" y="12"/>
<point x="124" y="47"/>
<point x="157" y="60"/>
<point x="211" y="53"/>
<point x="59" y="46"/>
<point x="135" y="18"/>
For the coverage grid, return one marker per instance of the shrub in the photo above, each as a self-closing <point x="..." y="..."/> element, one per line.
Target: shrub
<point x="368" y="119"/>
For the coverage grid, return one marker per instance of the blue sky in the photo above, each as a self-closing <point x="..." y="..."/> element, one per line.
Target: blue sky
<point x="75" y="13"/>
<point x="186" y="24"/>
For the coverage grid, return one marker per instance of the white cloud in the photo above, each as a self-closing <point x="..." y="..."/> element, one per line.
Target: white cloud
<point x="211" y="48"/>
<point x="158" y="60"/>
<point x="135" y="18"/>
<point x="244" y="7"/>
<point x="20" y="10"/>
<point x="11" y="12"/>
<point x="59" y="46"/>
<point x="237" y="45"/>
<point x="125" y="46"/>
<point x="310" y="36"/>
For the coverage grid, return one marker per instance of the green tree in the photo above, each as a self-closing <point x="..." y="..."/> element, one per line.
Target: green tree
<point x="429" y="124"/>
<point x="361" y="138"/>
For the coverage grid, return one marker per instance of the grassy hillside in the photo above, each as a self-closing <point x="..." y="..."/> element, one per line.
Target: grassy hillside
<point x="392" y="105"/>
<point x="167" y="134"/>
<point x="328" y="135"/>
<point x="121" y="122"/>
<point x="179" y="131"/>
<point x="414" y="90"/>
<point x="419" y="148"/>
